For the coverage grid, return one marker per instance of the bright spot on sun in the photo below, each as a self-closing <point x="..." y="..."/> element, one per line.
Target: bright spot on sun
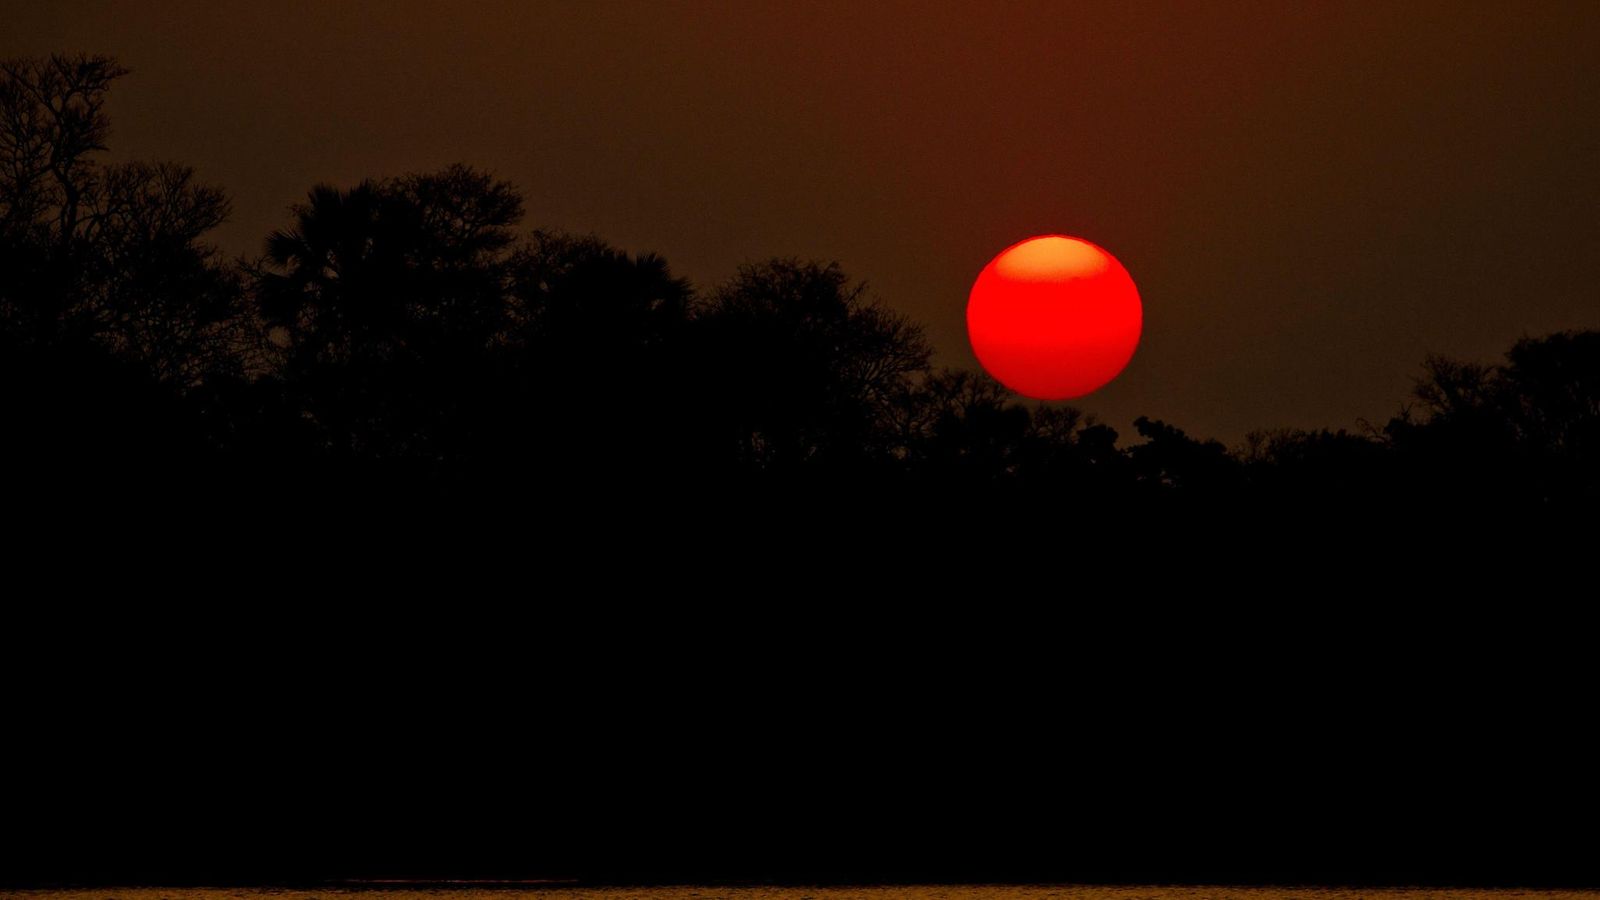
<point x="1051" y="258"/>
<point x="1054" y="317"/>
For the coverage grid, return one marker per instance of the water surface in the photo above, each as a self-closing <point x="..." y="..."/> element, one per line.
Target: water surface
<point x="911" y="892"/>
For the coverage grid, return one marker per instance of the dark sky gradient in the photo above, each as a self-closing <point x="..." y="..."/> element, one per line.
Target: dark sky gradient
<point x="1310" y="196"/>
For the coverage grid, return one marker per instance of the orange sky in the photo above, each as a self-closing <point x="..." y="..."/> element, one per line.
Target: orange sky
<point x="1310" y="196"/>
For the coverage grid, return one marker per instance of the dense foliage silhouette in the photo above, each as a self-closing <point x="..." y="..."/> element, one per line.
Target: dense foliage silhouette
<point x="403" y="339"/>
<point x="404" y="370"/>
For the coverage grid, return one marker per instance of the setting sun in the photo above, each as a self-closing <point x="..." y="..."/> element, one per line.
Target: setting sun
<point x="1054" y="317"/>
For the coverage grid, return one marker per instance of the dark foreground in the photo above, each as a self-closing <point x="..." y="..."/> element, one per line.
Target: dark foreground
<point x="427" y="545"/>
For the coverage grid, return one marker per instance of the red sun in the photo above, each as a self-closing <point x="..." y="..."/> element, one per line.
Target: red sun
<point x="1054" y="317"/>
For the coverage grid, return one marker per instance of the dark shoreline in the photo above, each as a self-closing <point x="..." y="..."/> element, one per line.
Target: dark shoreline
<point x="546" y="884"/>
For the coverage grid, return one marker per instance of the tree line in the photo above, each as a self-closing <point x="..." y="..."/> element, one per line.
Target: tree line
<point x="404" y="337"/>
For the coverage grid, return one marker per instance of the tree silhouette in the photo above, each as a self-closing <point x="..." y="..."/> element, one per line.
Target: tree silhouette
<point x="810" y="367"/>
<point x="597" y="350"/>
<point x="107" y="254"/>
<point x="1524" y="431"/>
<point x="959" y="426"/>
<point x="1552" y="389"/>
<point x="111" y="307"/>
<point x="52" y="120"/>
<point x="52" y="112"/>
<point x="400" y="340"/>
<point x="1171" y="460"/>
<point x="387" y="297"/>
<point x="1316" y="468"/>
<point x="161" y="296"/>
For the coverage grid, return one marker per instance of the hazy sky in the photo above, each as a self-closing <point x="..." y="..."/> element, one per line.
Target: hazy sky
<point x="1311" y="196"/>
